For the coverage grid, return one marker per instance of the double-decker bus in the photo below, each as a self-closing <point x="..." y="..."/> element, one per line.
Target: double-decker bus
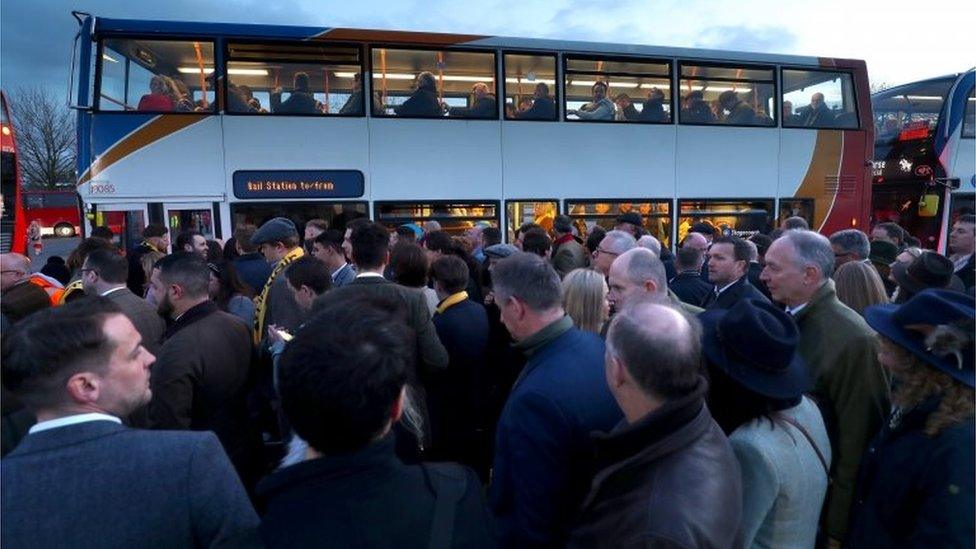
<point x="207" y="126"/>
<point x="925" y="155"/>
<point x="56" y="211"/>
<point x="13" y="227"/>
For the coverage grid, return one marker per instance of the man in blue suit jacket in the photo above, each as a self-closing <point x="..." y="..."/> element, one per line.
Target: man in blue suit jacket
<point x="543" y="463"/>
<point x="82" y="479"/>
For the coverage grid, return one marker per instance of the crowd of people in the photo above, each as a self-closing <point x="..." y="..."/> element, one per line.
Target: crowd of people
<point x="415" y="388"/>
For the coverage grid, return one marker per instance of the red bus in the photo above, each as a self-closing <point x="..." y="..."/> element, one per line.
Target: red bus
<point x="55" y="211"/>
<point x="13" y="225"/>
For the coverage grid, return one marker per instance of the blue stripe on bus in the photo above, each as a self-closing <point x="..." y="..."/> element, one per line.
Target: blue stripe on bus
<point x="105" y="26"/>
<point x="109" y="129"/>
<point x="955" y="110"/>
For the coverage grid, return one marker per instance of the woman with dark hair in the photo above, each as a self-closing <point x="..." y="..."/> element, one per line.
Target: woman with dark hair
<point x="230" y="250"/>
<point x="438" y="243"/>
<point x="214" y="250"/>
<point x="915" y="485"/>
<point x="756" y="391"/>
<point x="409" y="266"/>
<point x="229" y="293"/>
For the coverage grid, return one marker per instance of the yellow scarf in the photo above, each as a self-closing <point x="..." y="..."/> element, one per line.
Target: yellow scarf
<point x="450" y="300"/>
<point x="261" y="301"/>
<point x="70" y="290"/>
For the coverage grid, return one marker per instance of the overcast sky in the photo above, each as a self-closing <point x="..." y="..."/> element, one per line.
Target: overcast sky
<point x="901" y="41"/>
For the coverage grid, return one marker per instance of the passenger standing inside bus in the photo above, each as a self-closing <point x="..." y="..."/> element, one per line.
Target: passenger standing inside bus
<point x="300" y="100"/>
<point x="817" y="113"/>
<point x="483" y="106"/>
<point x="695" y="110"/>
<point x="277" y="241"/>
<point x="601" y="108"/>
<point x="543" y="107"/>
<point x="653" y="110"/>
<point x="423" y="101"/>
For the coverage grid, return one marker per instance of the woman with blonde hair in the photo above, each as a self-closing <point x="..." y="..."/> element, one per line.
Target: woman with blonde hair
<point x="915" y="485"/>
<point x="859" y="285"/>
<point x="585" y="299"/>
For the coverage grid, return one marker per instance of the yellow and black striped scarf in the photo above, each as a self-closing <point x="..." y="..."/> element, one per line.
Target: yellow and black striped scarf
<point x="261" y="301"/>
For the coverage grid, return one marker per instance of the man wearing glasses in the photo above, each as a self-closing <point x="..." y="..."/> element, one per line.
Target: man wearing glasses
<point x="613" y="244"/>
<point x="850" y="245"/>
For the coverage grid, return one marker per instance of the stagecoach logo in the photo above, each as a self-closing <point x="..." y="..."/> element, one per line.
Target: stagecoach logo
<point x="923" y="170"/>
<point x="905" y="165"/>
<point x="100" y="187"/>
<point x="299" y="184"/>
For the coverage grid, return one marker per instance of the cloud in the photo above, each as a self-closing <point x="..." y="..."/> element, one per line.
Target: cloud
<point x="767" y="39"/>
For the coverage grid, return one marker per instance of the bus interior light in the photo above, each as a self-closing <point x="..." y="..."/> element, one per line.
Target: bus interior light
<point x="238" y="72"/>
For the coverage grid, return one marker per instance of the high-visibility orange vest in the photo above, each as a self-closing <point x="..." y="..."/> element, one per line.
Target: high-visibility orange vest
<point x="54" y="291"/>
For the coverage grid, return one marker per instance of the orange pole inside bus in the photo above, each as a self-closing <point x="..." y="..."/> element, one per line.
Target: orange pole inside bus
<point x="326" y="71"/>
<point x="277" y="78"/>
<point x="203" y="77"/>
<point x="383" y="70"/>
<point x="440" y="75"/>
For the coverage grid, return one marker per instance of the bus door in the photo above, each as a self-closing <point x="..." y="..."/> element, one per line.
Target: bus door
<point x="126" y="221"/>
<point x="190" y="216"/>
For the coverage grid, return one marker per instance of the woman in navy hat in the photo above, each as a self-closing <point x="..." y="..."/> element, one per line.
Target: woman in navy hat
<point x="778" y="435"/>
<point x="916" y="483"/>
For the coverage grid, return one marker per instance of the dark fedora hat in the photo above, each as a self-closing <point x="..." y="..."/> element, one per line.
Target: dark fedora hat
<point x="929" y="270"/>
<point x="883" y="252"/>
<point x="755" y="342"/>
<point x="936" y="325"/>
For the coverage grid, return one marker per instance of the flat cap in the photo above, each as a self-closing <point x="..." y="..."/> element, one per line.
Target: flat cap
<point x="278" y="229"/>
<point x="500" y="251"/>
<point x="630" y="217"/>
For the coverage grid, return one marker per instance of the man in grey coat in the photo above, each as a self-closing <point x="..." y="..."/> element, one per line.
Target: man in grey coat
<point x="80" y="478"/>
<point x="104" y="274"/>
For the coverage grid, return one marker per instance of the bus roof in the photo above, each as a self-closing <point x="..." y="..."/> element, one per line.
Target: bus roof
<point x="109" y="27"/>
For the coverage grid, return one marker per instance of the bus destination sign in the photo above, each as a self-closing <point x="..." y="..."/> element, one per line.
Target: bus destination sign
<point x="299" y="184"/>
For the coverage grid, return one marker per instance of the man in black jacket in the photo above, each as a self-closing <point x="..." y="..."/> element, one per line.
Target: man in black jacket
<point x="342" y="391"/>
<point x="483" y="105"/>
<point x="728" y="266"/>
<point x="688" y="284"/>
<point x="667" y="475"/>
<point x="543" y="107"/>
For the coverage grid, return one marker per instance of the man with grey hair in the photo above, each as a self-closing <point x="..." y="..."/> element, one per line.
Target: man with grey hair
<point x="651" y="243"/>
<point x="850" y="245"/>
<point x="613" y="244"/>
<point x="567" y="253"/>
<point x="668" y="474"/>
<point x="839" y="350"/>
<point x="543" y="464"/>
<point x="639" y="275"/>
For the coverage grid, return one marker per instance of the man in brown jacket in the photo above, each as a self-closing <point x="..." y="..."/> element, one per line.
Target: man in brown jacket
<point x="839" y="350"/>
<point x="567" y="253"/>
<point x="200" y="380"/>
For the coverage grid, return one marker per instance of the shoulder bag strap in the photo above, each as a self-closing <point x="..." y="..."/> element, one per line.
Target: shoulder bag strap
<point x="809" y="438"/>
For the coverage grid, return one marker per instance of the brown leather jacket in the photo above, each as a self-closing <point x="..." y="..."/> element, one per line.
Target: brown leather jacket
<point x="668" y="480"/>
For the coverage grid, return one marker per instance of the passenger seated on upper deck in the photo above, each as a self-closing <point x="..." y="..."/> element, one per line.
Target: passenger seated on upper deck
<point x="423" y="101"/>
<point x="653" y="110"/>
<point x="300" y="101"/>
<point x="625" y="108"/>
<point x="817" y="113"/>
<point x="354" y="105"/>
<point x="601" y="108"/>
<point x="543" y="108"/>
<point x="695" y="110"/>
<point x="158" y="98"/>
<point x="789" y="117"/>
<point x="482" y="107"/>
<point x="739" y="113"/>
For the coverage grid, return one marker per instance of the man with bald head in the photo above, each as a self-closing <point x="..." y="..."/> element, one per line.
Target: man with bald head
<point x="817" y="113"/>
<point x="20" y="297"/>
<point x="667" y="473"/>
<point x="638" y="275"/>
<point x="613" y="244"/>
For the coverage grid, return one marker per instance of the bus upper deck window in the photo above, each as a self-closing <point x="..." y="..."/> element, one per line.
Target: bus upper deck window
<point x="156" y="76"/>
<point x="530" y="87"/>
<point x="618" y="90"/>
<point x="727" y="95"/>
<point x="295" y="79"/>
<point x="818" y="99"/>
<point x="434" y="83"/>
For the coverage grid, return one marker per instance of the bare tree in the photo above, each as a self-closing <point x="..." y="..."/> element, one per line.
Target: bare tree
<point x="45" y="137"/>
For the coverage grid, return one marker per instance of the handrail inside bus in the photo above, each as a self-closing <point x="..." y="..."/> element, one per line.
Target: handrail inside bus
<point x="117" y="102"/>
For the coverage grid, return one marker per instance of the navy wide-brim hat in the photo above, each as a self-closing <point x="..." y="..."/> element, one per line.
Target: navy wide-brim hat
<point x="936" y="325"/>
<point x="755" y="343"/>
